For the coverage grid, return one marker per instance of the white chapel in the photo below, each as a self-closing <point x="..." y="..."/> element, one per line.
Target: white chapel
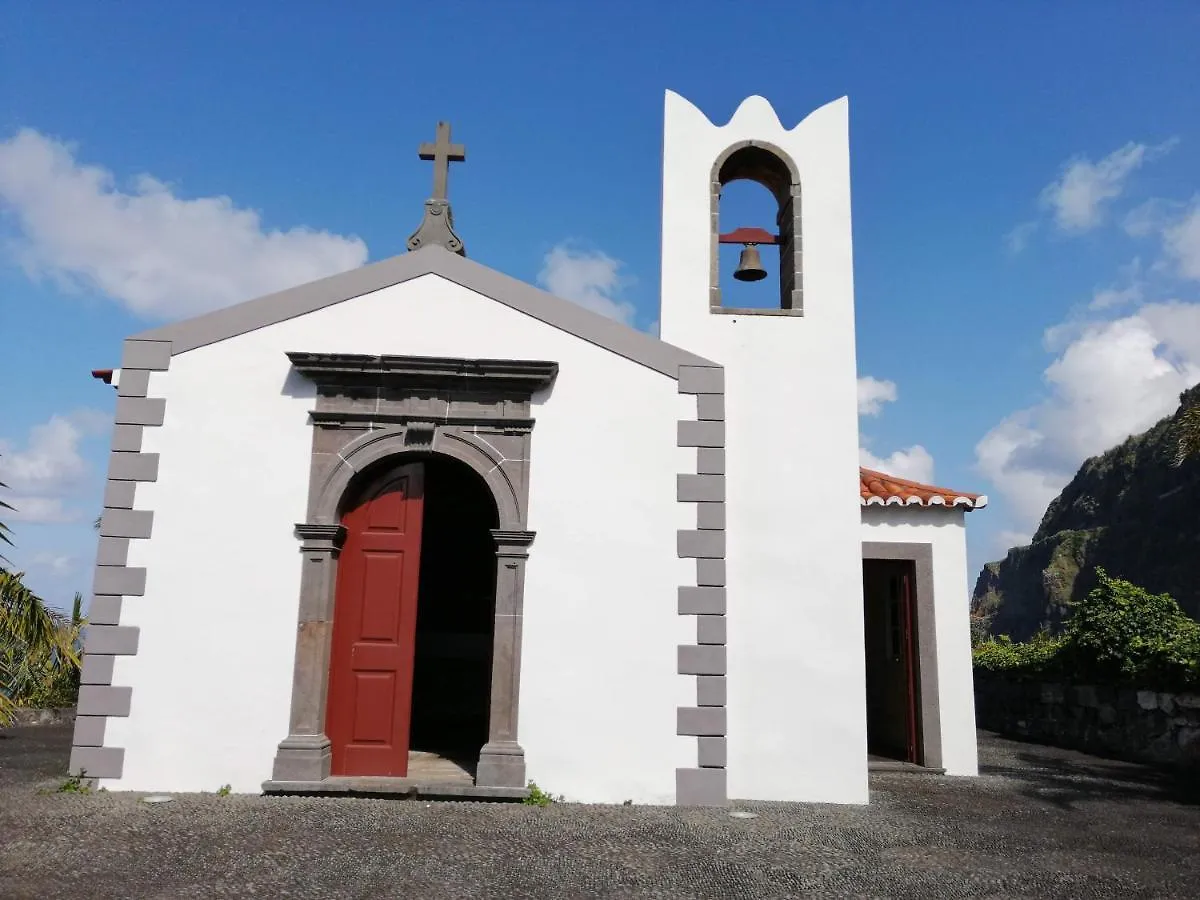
<point x="422" y="528"/>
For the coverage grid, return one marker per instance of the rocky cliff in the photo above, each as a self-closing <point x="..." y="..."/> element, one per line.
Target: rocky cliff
<point x="1130" y="511"/>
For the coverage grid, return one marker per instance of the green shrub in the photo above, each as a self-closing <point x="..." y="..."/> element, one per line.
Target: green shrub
<point x="1123" y="633"/>
<point x="1040" y="656"/>
<point x="1118" y="634"/>
<point x="538" y="797"/>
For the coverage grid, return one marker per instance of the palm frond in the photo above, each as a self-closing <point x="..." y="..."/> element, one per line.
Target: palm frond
<point x="4" y="529"/>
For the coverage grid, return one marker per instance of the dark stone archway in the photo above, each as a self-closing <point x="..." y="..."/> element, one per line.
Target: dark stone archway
<point x="373" y="410"/>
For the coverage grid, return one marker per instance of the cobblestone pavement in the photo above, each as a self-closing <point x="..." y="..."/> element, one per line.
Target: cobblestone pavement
<point x="1039" y="823"/>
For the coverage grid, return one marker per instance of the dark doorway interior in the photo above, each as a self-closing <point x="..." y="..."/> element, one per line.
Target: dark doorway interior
<point x="457" y="593"/>
<point x="893" y="676"/>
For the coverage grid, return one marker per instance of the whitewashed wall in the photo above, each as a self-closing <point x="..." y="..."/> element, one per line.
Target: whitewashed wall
<point x="212" y="677"/>
<point x="796" y="683"/>
<point x="945" y="530"/>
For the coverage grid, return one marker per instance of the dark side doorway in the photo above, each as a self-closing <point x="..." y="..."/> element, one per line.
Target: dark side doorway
<point x="892" y="660"/>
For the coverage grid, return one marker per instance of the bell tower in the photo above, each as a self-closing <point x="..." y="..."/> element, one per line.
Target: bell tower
<point x="793" y="572"/>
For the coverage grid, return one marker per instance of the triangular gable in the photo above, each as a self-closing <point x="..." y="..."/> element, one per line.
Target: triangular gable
<point x="594" y="328"/>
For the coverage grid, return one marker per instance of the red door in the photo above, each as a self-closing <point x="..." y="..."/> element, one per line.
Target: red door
<point x="911" y="718"/>
<point x="374" y="627"/>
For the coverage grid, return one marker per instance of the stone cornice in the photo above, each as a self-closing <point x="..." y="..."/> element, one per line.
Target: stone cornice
<point x="332" y="417"/>
<point x="513" y="376"/>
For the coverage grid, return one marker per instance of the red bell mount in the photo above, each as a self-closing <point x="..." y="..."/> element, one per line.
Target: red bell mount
<point x="748" y="236"/>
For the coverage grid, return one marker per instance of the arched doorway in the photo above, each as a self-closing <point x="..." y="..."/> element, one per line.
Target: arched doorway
<point x="414" y="607"/>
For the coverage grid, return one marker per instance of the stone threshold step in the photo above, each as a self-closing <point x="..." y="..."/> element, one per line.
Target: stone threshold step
<point x="895" y="765"/>
<point x="398" y="788"/>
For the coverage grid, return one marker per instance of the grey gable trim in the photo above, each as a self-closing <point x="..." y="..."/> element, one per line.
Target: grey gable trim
<point x="596" y="329"/>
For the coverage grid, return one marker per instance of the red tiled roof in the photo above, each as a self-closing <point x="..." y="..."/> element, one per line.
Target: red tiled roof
<point x="879" y="489"/>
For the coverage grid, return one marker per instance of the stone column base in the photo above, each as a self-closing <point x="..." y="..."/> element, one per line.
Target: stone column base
<point x="501" y="764"/>
<point x="303" y="757"/>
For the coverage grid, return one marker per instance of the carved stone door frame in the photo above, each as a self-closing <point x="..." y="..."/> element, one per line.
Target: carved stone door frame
<point x="375" y="408"/>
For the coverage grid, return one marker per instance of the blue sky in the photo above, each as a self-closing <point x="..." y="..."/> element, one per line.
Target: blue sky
<point x="1026" y="221"/>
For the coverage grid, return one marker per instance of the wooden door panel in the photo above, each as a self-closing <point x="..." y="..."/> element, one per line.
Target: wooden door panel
<point x="382" y="574"/>
<point x="374" y="627"/>
<point x="374" y="704"/>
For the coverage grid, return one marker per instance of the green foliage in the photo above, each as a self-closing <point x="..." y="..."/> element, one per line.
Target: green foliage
<point x="224" y="790"/>
<point x="1038" y="656"/>
<point x="538" y="797"/>
<point x="1188" y="434"/>
<point x="39" y="649"/>
<point x="75" y="784"/>
<point x="1118" y="634"/>
<point x="4" y="531"/>
<point x="1123" y="633"/>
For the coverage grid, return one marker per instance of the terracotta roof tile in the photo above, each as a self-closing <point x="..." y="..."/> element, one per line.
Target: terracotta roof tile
<point x="879" y="489"/>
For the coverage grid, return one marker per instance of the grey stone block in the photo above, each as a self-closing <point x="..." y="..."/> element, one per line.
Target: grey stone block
<point x="699" y="434"/>
<point x="700" y="488"/>
<point x="710" y="690"/>
<point x="705" y="659"/>
<point x="700" y="787"/>
<point x="710" y="572"/>
<point x="119" y="580"/>
<point x="105" y="609"/>
<point x="154" y="355"/>
<point x="701" y="720"/>
<point x="710" y="752"/>
<point x="701" y="380"/>
<point x="102" y="700"/>
<point x="97" y="762"/>
<point x="701" y="544"/>
<point x="113" y="640"/>
<point x="701" y="601"/>
<point x="710" y="630"/>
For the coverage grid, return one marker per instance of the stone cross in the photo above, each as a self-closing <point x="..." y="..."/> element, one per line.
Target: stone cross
<point x="442" y="152"/>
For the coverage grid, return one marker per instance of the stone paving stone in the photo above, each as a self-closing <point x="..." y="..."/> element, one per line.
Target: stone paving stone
<point x="1039" y="823"/>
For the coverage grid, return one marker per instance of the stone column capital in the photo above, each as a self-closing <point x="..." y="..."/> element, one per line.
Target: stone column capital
<point x="511" y="543"/>
<point x="328" y="538"/>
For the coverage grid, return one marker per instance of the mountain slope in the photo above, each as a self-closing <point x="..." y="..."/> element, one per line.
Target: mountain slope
<point x="1129" y="510"/>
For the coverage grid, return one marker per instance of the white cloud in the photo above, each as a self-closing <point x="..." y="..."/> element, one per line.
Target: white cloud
<point x="873" y="393"/>
<point x="42" y="475"/>
<point x="1129" y="290"/>
<point x="156" y="253"/>
<point x="1005" y="540"/>
<point x="1018" y="239"/>
<point x="56" y="563"/>
<point x="1181" y="240"/>
<point x="915" y="463"/>
<point x="1077" y="198"/>
<point x="1110" y="380"/>
<point x="590" y="278"/>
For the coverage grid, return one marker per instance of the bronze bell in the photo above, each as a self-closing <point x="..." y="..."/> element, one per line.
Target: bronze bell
<point x="750" y="267"/>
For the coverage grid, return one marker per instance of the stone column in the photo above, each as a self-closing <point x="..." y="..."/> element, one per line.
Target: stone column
<point x="502" y="761"/>
<point x="304" y="755"/>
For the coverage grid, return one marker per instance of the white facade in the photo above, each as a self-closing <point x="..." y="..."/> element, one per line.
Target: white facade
<point x="208" y="645"/>
<point x="944" y="530"/>
<point x="796" y="674"/>
<point x="213" y="672"/>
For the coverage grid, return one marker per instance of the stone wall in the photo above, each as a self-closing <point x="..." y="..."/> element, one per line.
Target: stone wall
<point x="59" y="716"/>
<point x="1120" y="723"/>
